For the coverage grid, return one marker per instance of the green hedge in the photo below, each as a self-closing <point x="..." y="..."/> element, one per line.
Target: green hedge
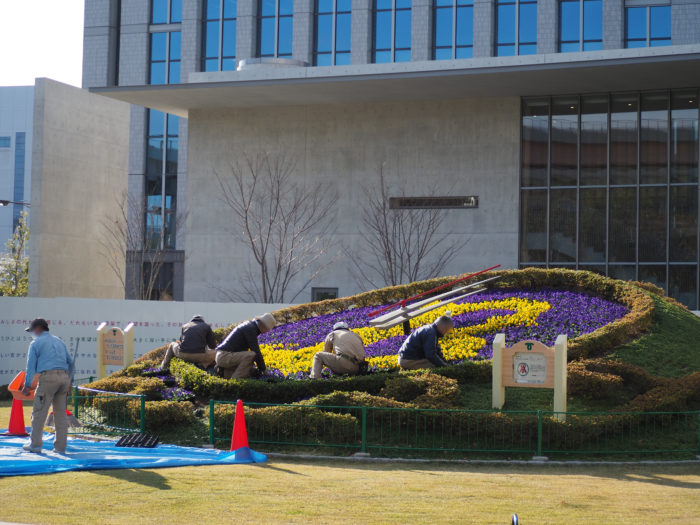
<point x="290" y="391"/>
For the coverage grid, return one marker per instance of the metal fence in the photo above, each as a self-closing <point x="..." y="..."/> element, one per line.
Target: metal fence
<point x="107" y="412"/>
<point x="448" y="432"/>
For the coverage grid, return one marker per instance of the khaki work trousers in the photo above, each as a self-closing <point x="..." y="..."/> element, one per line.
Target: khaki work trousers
<point x="205" y="359"/>
<point x="53" y="389"/>
<point x="339" y="365"/>
<point x="415" y="364"/>
<point x="236" y="364"/>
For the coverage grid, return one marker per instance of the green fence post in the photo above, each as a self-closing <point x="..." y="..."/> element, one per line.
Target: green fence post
<point x="363" y="446"/>
<point x="75" y="402"/>
<point x="211" y="421"/>
<point x="539" y="433"/>
<point x="143" y="413"/>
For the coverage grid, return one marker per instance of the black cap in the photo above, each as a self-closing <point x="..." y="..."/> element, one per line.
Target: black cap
<point x="39" y="322"/>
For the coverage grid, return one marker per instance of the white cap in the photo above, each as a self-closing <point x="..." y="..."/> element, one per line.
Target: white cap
<point x="267" y="320"/>
<point x="341" y="325"/>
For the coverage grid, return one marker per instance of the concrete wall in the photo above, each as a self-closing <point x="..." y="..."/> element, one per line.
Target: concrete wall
<point x="79" y="172"/>
<point x="451" y="147"/>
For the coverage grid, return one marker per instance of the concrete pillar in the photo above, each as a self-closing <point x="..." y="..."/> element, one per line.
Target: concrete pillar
<point x="100" y="43"/>
<point x="547" y="26"/>
<point x="483" y="28"/>
<point x="422" y="30"/>
<point x="613" y="24"/>
<point x="190" y="61"/>
<point x="246" y="29"/>
<point x="362" y="27"/>
<point x="135" y="45"/>
<point x="303" y="39"/>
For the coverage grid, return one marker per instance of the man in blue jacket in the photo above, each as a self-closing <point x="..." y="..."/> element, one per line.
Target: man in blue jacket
<point x="48" y="357"/>
<point x="421" y="349"/>
<point x="237" y="353"/>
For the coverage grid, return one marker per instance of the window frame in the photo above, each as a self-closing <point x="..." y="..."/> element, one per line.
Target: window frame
<point x="454" y="47"/>
<point x="516" y="36"/>
<point x="168" y="13"/>
<point x="673" y="191"/>
<point x="581" y="28"/>
<point x="221" y="19"/>
<point x="647" y="26"/>
<point x="393" y="49"/>
<point x="334" y="17"/>
<point x="168" y="61"/>
<point x="166" y="213"/>
<point x="276" y="18"/>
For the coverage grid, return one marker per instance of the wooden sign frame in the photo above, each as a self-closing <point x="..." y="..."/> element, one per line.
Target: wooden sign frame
<point x="504" y="373"/>
<point x="127" y="338"/>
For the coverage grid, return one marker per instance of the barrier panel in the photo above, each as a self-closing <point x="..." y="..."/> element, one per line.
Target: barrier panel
<point x="450" y="432"/>
<point x="107" y="413"/>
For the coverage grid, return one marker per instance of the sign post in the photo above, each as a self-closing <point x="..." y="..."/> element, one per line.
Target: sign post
<point x="530" y="364"/>
<point x="114" y="347"/>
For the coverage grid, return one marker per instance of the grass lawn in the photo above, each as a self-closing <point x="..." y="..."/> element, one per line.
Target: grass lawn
<point x="672" y="347"/>
<point x="344" y="492"/>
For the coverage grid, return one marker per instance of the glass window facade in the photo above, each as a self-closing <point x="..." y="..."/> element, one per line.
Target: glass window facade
<point x="516" y="27"/>
<point x="332" y="28"/>
<point x="219" y="35"/>
<point x="453" y="29"/>
<point x="165" y="57"/>
<point x="580" y="25"/>
<point x="161" y="180"/>
<point x="18" y="191"/>
<point x="392" y="31"/>
<point x="166" y="11"/>
<point x="609" y="183"/>
<point x="275" y="23"/>
<point x="648" y="26"/>
<point x="5" y="142"/>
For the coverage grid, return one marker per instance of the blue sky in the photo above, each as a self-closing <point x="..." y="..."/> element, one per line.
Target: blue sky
<point x="41" y="38"/>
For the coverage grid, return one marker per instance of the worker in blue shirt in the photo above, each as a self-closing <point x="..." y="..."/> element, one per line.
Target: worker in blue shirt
<point x="48" y="357"/>
<point x="421" y="349"/>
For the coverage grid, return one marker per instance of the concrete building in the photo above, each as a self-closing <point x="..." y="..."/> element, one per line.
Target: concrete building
<point x="79" y="175"/>
<point x="16" y="115"/>
<point x="567" y="128"/>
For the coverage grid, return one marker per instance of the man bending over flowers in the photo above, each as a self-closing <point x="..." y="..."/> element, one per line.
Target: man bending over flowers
<point x="236" y="354"/>
<point x="421" y="349"/>
<point x="343" y="352"/>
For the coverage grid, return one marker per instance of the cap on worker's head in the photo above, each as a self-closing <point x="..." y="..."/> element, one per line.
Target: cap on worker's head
<point x="267" y="320"/>
<point x="39" y="322"/>
<point x="197" y="318"/>
<point x="341" y="325"/>
<point x="444" y="320"/>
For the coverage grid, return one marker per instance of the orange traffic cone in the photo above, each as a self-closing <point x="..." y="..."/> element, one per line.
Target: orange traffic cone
<point x="239" y="438"/>
<point x="17" y="426"/>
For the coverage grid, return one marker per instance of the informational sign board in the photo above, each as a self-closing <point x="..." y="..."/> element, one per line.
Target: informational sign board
<point x="113" y="341"/>
<point x="530" y="364"/>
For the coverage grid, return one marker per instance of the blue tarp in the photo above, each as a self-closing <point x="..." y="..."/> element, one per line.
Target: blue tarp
<point x="100" y="455"/>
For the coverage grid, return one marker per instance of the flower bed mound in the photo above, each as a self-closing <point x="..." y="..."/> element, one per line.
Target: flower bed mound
<point x="597" y="313"/>
<point x="540" y="315"/>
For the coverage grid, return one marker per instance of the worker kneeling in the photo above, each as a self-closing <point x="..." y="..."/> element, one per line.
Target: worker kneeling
<point x="237" y="353"/>
<point x="343" y="352"/>
<point x="421" y="349"/>
<point x="196" y="344"/>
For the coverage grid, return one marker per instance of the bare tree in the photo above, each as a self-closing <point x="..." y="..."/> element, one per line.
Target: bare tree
<point x="281" y="221"/>
<point x="400" y="246"/>
<point x="134" y="244"/>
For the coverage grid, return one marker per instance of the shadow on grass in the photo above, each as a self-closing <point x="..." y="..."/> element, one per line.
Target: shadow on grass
<point x="147" y="478"/>
<point x="280" y="469"/>
<point x="654" y="474"/>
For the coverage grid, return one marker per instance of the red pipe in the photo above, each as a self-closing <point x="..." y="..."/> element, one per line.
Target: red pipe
<point x="403" y="302"/>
